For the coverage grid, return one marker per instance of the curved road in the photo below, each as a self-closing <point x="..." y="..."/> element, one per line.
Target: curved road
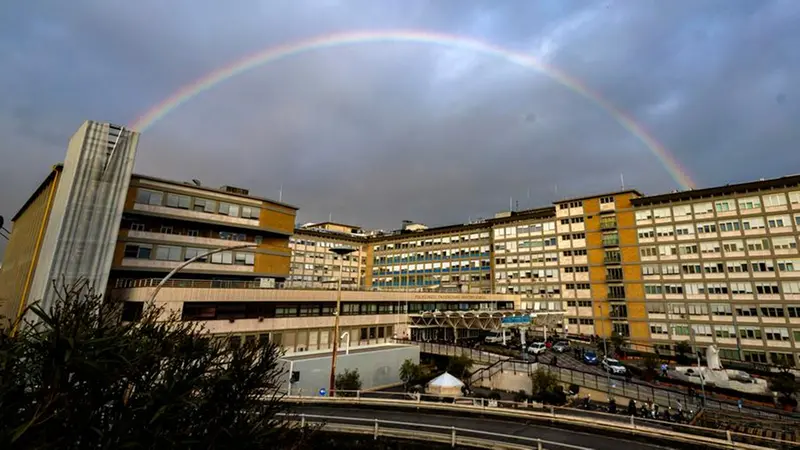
<point x="582" y="439"/>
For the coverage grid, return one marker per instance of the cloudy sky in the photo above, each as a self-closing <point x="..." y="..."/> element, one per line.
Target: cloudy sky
<point x="375" y="133"/>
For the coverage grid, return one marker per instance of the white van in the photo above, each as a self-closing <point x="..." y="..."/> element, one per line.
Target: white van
<point x="494" y="337"/>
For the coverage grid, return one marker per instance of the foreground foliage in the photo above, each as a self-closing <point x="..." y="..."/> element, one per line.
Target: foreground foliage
<point x="82" y="379"/>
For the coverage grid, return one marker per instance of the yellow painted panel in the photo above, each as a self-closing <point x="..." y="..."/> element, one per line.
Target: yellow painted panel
<point x="275" y="243"/>
<point x="283" y="221"/>
<point x="629" y="254"/>
<point x="367" y="249"/>
<point x="640" y="331"/>
<point x="592" y="223"/>
<point x="591" y="206"/>
<point x="634" y="290"/>
<point x="627" y="236"/>
<point x="119" y="252"/>
<point x="623" y="201"/>
<point x="597" y="273"/>
<point x="632" y="272"/>
<point x="596" y="256"/>
<point x="599" y="291"/>
<point x="603" y="328"/>
<point x="278" y="265"/>
<point x="626" y="219"/>
<point x="637" y="310"/>
<point x="594" y="239"/>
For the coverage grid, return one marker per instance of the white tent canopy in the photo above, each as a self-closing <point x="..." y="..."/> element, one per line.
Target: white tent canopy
<point x="445" y="384"/>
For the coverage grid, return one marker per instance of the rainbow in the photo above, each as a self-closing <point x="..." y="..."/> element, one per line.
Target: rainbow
<point x="273" y="54"/>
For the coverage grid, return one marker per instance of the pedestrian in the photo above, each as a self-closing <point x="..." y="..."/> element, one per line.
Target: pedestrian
<point x="739" y="405"/>
<point x="775" y="398"/>
<point x="632" y="407"/>
<point x="664" y="368"/>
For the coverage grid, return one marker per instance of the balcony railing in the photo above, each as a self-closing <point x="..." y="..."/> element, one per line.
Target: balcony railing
<point x="610" y="242"/>
<point x="606" y="226"/>
<point x="228" y="284"/>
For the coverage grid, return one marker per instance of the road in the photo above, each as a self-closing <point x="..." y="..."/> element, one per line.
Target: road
<point x="582" y="439"/>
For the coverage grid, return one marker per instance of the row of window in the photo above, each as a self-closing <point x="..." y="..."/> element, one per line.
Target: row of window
<point x="725" y="331"/>
<point x="729" y="267"/>
<point x="180" y="201"/>
<point x="724" y="309"/>
<point x="168" y="229"/>
<point x="178" y="253"/>
<point x="433" y="256"/>
<point x="446" y="240"/>
<point x="749" y="204"/>
<point x="733" y="246"/>
<point x="753" y="223"/>
<point x="763" y="288"/>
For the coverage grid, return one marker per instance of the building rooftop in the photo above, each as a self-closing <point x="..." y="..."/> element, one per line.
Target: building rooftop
<point x="718" y="191"/>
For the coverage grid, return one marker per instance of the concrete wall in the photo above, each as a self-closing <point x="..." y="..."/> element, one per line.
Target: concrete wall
<point x="377" y="367"/>
<point x="87" y="210"/>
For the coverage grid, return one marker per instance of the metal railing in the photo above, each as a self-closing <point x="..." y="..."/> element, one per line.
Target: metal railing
<point x="619" y="386"/>
<point x="565" y="415"/>
<point x="456" y="434"/>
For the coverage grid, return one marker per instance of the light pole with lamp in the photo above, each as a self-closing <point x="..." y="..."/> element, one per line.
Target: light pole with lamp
<point x="191" y="260"/>
<point x="699" y="363"/>
<point x="341" y="251"/>
<point x="605" y="349"/>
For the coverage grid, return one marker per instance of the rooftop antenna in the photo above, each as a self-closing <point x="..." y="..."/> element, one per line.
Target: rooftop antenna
<point x="280" y="193"/>
<point x="510" y="203"/>
<point x="622" y="181"/>
<point x="330" y="217"/>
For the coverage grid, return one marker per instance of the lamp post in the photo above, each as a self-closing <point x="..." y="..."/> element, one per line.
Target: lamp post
<point x="699" y="364"/>
<point x="341" y="251"/>
<point x="191" y="260"/>
<point x="605" y="351"/>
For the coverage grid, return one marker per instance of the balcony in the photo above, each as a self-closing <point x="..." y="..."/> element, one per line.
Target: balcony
<point x="608" y="225"/>
<point x="614" y="277"/>
<point x="612" y="260"/>
<point x="611" y="242"/>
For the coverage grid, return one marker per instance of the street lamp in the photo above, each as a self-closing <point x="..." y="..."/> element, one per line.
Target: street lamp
<point x="699" y="363"/>
<point x="341" y="251"/>
<point x="191" y="260"/>
<point x="605" y="351"/>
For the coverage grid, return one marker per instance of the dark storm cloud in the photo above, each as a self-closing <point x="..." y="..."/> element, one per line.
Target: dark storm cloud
<point x="378" y="133"/>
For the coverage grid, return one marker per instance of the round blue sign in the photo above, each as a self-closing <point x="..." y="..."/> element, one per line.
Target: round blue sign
<point x="322" y="392"/>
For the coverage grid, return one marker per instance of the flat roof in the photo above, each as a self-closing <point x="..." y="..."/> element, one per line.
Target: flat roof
<point x="319" y="224"/>
<point x="341" y="351"/>
<point x="718" y="191"/>
<point x="215" y="190"/>
<point x="587" y="197"/>
<point x="330" y="234"/>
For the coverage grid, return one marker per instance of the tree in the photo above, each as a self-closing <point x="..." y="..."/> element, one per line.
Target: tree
<point x="350" y="380"/>
<point x="80" y="379"/>
<point x="682" y="348"/>
<point x="786" y="384"/>
<point x="410" y="373"/>
<point x="543" y="381"/>
<point x="459" y="366"/>
<point x="651" y="364"/>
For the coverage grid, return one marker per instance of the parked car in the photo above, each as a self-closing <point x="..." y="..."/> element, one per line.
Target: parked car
<point x="495" y="337"/>
<point x="613" y="366"/>
<point x="590" y="357"/>
<point x="537" y="348"/>
<point x="561" y="346"/>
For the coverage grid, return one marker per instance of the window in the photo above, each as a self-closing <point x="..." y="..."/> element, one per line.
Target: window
<point x="774" y="200"/>
<point x="681" y="211"/>
<point x="165" y="229"/>
<point x="242" y="258"/>
<point x="733" y="246"/>
<point x="662" y="213"/>
<point x="608" y="221"/>
<point x="665" y="231"/>
<point x="688" y="249"/>
<point x="724" y="331"/>
<point x="650" y="270"/>
<point x="250" y="212"/>
<point x="229" y="209"/>
<point x="703" y="208"/>
<point x="648" y="251"/>
<point x="646" y="233"/>
<point x="720" y="309"/>
<point x="147" y="197"/>
<point x="137" y="227"/>
<point x="789" y="265"/>
<point x="698" y="309"/>
<point x="784" y="243"/>
<point x="762" y="266"/>
<point x="643" y="216"/>
<point x="749" y="203"/>
<point x="791" y="287"/>
<point x="178" y="201"/>
<point x="746" y="310"/>
<point x="670" y="269"/>
<point x="755" y="245"/>
<point x="684" y="230"/>
<point x="204" y="205"/>
<point x="654" y="289"/>
<point x="749" y="333"/>
<point x="138" y="251"/>
<point x="168" y="253"/>
<point x="772" y="311"/>
<point x="724" y="206"/>
<point x="193" y="252"/>
<point x="222" y="258"/>
<point x="776" y="334"/>
<point x="741" y="288"/>
<point x="729" y="226"/>
<point x="606" y="200"/>
<point x="656" y="308"/>
<point x="690" y="269"/>
<point x="705" y="228"/>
